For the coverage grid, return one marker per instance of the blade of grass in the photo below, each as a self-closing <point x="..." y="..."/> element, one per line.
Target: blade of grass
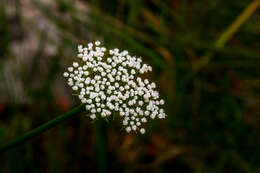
<point x="229" y="32"/>
<point x="37" y="131"/>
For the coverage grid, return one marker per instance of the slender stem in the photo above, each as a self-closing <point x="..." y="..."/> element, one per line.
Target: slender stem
<point x="100" y="146"/>
<point x="229" y="32"/>
<point x="37" y="131"/>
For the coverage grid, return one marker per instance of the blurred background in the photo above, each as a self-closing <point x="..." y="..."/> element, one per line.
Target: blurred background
<point x="212" y="93"/>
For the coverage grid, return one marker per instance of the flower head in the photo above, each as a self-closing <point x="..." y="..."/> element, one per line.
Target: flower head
<point x="109" y="82"/>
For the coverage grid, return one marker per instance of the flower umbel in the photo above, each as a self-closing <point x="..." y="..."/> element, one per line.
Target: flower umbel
<point x="108" y="82"/>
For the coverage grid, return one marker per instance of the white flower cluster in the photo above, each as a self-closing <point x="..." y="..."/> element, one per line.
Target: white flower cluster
<point x="108" y="83"/>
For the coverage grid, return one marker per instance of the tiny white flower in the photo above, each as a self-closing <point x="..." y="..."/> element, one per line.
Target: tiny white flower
<point x="97" y="43"/>
<point x="75" y="64"/>
<point x="66" y="74"/>
<point x="125" y="122"/>
<point x="142" y="130"/>
<point x="128" y="129"/>
<point x="92" y="116"/>
<point x="90" y="45"/>
<point x="81" y="85"/>
<point x="144" y="120"/>
<point x="80" y="55"/>
<point x="141" y="103"/>
<point x="70" y="69"/>
<point x="75" y="88"/>
<point x="93" y="110"/>
<point x="161" y="102"/>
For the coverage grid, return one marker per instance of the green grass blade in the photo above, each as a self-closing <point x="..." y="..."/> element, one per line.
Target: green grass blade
<point x="37" y="131"/>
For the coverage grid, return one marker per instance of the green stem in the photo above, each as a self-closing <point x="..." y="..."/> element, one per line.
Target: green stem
<point x="229" y="32"/>
<point x="37" y="131"/>
<point x="100" y="146"/>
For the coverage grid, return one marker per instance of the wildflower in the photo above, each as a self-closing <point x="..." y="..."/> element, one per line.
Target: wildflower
<point x="107" y="82"/>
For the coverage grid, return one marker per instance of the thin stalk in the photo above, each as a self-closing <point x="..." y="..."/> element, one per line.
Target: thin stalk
<point x="229" y="32"/>
<point x="37" y="131"/>
<point x="100" y="146"/>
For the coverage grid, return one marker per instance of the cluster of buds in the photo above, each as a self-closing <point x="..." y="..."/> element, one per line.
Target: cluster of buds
<point x="108" y="82"/>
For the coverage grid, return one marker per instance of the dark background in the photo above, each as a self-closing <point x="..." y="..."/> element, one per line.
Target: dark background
<point x="213" y="104"/>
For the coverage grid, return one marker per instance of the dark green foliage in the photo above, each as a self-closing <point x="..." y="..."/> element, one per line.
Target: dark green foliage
<point x="213" y="109"/>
